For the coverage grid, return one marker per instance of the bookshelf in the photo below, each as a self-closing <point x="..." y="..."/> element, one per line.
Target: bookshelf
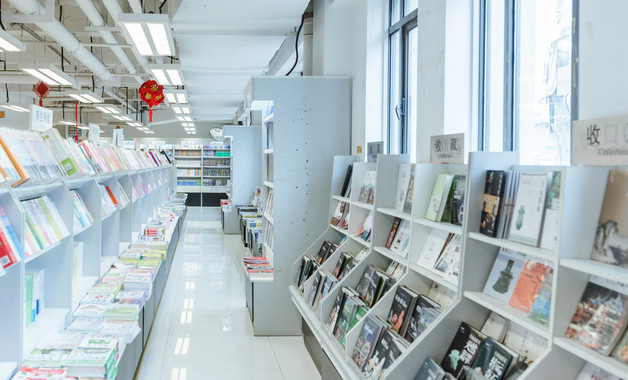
<point x="308" y="122"/>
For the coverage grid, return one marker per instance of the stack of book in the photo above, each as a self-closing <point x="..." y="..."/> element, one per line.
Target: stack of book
<point x="139" y="279"/>
<point x="83" y="218"/>
<point x="257" y="265"/>
<point x="44" y="226"/>
<point x="447" y="200"/>
<point x="94" y="357"/>
<point x="30" y="373"/>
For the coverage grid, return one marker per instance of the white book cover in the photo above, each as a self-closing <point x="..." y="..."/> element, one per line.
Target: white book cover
<point x="403" y="179"/>
<point x="441" y="295"/>
<point x="551" y="223"/>
<point x="592" y="372"/>
<point x="527" y="215"/>
<point x="432" y="249"/>
<point x="448" y="265"/>
<point x="503" y="277"/>
<point x="524" y="342"/>
<point x="401" y="242"/>
<point x="495" y="326"/>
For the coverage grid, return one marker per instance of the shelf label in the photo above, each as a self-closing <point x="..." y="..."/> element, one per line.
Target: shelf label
<point x="447" y="149"/>
<point x="600" y="141"/>
<point x="40" y="118"/>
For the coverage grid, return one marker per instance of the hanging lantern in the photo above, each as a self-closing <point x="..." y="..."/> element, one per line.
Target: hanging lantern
<point x="152" y="94"/>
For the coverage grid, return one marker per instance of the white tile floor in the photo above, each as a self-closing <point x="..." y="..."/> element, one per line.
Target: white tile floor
<point x="202" y="330"/>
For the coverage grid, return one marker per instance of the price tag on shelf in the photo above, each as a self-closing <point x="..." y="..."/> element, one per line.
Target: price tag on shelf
<point x="600" y="141"/>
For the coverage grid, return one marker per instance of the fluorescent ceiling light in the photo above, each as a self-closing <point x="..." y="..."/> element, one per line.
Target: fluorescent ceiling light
<point x="151" y="34"/>
<point x="176" y="96"/>
<point x="181" y="118"/>
<point x="134" y="124"/>
<point x="10" y="43"/>
<point x="49" y="74"/>
<point x="67" y="122"/>
<point x="187" y="118"/>
<point x="85" y="96"/>
<point x="167" y="75"/>
<point x="14" y="107"/>
<point x="108" y="109"/>
<point x="122" y="118"/>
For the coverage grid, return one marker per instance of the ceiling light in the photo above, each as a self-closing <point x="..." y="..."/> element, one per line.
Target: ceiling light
<point x="167" y="75"/>
<point x="85" y="96"/>
<point x="181" y="118"/>
<point x="49" y="74"/>
<point x="187" y="118"/>
<point x="150" y="33"/>
<point x="122" y="118"/>
<point x="14" y="107"/>
<point x="108" y="109"/>
<point x="67" y="122"/>
<point x="10" y="43"/>
<point x="176" y="96"/>
<point x="177" y="109"/>
<point x="134" y="124"/>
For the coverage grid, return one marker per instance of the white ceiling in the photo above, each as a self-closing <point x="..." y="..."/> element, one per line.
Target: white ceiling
<point x="222" y="44"/>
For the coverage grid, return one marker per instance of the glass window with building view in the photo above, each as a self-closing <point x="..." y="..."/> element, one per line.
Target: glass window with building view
<point x="542" y="81"/>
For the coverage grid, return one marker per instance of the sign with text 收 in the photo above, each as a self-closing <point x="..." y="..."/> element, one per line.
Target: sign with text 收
<point x="41" y="119"/>
<point x="600" y="141"/>
<point x="448" y="149"/>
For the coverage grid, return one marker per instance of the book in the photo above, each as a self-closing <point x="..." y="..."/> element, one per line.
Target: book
<point x="448" y="265"/>
<point x="592" y="372"/>
<point x="504" y="275"/>
<point x="529" y="208"/>
<point x="47" y="357"/>
<point x="328" y="283"/>
<point x="367" y="340"/>
<point x="349" y="309"/>
<point x="346" y="184"/>
<point x="407" y="204"/>
<point x="376" y="287"/>
<point x="393" y="232"/>
<point x="401" y="308"/>
<point x="493" y="360"/>
<point x="322" y="252"/>
<point x="611" y="236"/>
<point x="542" y="306"/>
<point x="463" y="350"/>
<point x="30" y="373"/>
<point x="122" y="311"/>
<point x="315" y="288"/>
<point x="350" y="264"/>
<point x="529" y="346"/>
<point x="457" y="202"/>
<point x="551" y="222"/>
<point x="367" y="192"/>
<point x="507" y="202"/>
<point x="424" y="314"/>
<point x="403" y="180"/>
<point x="493" y="190"/>
<point x="621" y="350"/>
<point x="601" y="315"/>
<point x="387" y="350"/>
<point x="433" y="247"/>
<point x="531" y="279"/>
<point x="438" y="200"/>
<point x="362" y="286"/>
<point x="339" y="215"/>
<point x="430" y="370"/>
<point x="340" y="264"/>
<point x="495" y="326"/>
<point x="336" y="310"/>
<point x="401" y="242"/>
<point x="367" y="227"/>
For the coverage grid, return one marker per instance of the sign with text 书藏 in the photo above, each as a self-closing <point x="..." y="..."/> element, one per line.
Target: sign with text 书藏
<point x="600" y="141"/>
<point x="448" y="149"/>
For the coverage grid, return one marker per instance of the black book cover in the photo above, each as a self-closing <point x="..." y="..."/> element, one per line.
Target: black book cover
<point x="314" y="290"/>
<point x="307" y="268"/>
<point x="462" y="350"/>
<point x="335" y="311"/>
<point x="369" y="335"/>
<point x="491" y="204"/>
<point x="350" y="264"/>
<point x="457" y="203"/>
<point x="401" y="308"/>
<point x="323" y="251"/>
<point x="346" y="184"/>
<point x="493" y="360"/>
<point x="430" y="370"/>
<point x="386" y="350"/>
<point x="339" y="265"/>
<point x="365" y="280"/>
<point x="422" y="317"/>
<point x="330" y="251"/>
<point x="397" y="347"/>
<point x="393" y="232"/>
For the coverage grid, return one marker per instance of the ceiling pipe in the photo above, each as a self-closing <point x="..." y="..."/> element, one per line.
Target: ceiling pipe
<point x="65" y="38"/>
<point x="96" y="19"/>
<point x="114" y="9"/>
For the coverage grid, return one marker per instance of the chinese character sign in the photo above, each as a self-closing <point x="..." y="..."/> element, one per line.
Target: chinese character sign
<point x="447" y="149"/>
<point x="600" y="141"/>
<point x="41" y="118"/>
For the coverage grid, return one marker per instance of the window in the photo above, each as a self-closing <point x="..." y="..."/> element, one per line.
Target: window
<point x="402" y="77"/>
<point x="526" y="73"/>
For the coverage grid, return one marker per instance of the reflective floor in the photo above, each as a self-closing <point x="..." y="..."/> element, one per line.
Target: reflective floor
<point x="202" y="329"/>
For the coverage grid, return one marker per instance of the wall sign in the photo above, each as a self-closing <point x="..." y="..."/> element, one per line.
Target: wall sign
<point x="40" y="118"/>
<point x="600" y="141"/>
<point x="448" y="149"/>
<point x="373" y="149"/>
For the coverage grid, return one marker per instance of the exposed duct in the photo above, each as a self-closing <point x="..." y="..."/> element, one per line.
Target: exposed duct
<point x="65" y="38"/>
<point x="96" y="19"/>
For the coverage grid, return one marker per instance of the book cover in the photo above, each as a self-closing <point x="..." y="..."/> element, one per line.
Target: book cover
<point x="407" y="204"/>
<point x="433" y="247"/>
<point x="463" y="349"/>
<point x="346" y="184"/>
<point x="350" y="264"/>
<point x="424" y="314"/>
<point x="393" y="232"/>
<point x="323" y="251"/>
<point x="403" y="304"/>
<point x="364" y="282"/>
<point x="376" y="363"/>
<point x="367" y="340"/>
<point x="525" y="343"/>
<point x="47" y="357"/>
<point x="430" y="370"/>
<point x="91" y="311"/>
<point x="448" y="265"/>
<point x="621" y="350"/>
<point x="529" y="208"/>
<point x="359" y="313"/>
<point x="340" y="264"/>
<point x="367" y="192"/>
<point x="611" y="236"/>
<point x="30" y="373"/>
<point x="438" y="200"/>
<point x="504" y="275"/>
<point x="328" y="285"/>
<point x="11" y="236"/>
<point x="495" y="326"/>
<point x="457" y="202"/>
<point x="398" y="346"/>
<point x="340" y="213"/>
<point x="345" y="318"/>
<point x="493" y="360"/>
<point x="600" y="316"/>
<point x="335" y="311"/>
<point x="375" y="288"/>
<point x="531" y="279"/>
<point x="401" y="242"/>
<point x="367" y="227"/>
<point x="403" y="180"/>
<point x="507" y="203"/>
<point x="592" y="372"/>
<point x="541" y="308"/>
<point x="551" y="221"/>
<point x="493" y="188"/>
<point x="314" y="289"/>
<point x="20" y="170"/>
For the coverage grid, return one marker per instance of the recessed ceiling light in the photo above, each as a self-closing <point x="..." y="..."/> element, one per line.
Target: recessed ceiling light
<point x="167" y="75"/>
<point x="150" y="33"/>
<point x="85" y="96"/>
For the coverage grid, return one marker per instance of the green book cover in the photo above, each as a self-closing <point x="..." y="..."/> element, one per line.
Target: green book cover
<point x="42" y="206"/>
<point x="436" y="198"/>
<point x="359" y="314"/>
<point x="36" y="232"/>
<point x="28" y="304"/>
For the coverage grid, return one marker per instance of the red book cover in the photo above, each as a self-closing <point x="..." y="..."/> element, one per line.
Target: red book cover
<point x="113" y="198"/>
<point x="529" y="285"/>
<point x="7" y="257"/>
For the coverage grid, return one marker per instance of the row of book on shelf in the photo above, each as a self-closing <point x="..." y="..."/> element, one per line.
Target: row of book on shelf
<point x="106" y="318"/>
<point x="28" y="156"/>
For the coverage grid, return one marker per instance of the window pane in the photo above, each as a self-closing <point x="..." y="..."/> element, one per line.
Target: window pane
<point x="410" y="5"/>
<point x="543" y="81"/>
<point x="395" y="11"/>
<point x="395" y="93"/>
<point x="494" y="76"/>
<point x="413" y="70"/>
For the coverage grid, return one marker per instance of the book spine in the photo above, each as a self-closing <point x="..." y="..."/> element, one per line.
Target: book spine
<point x="54" y="212"/>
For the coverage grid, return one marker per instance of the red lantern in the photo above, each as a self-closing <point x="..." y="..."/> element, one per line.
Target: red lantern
<point x="153" y="94"/>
